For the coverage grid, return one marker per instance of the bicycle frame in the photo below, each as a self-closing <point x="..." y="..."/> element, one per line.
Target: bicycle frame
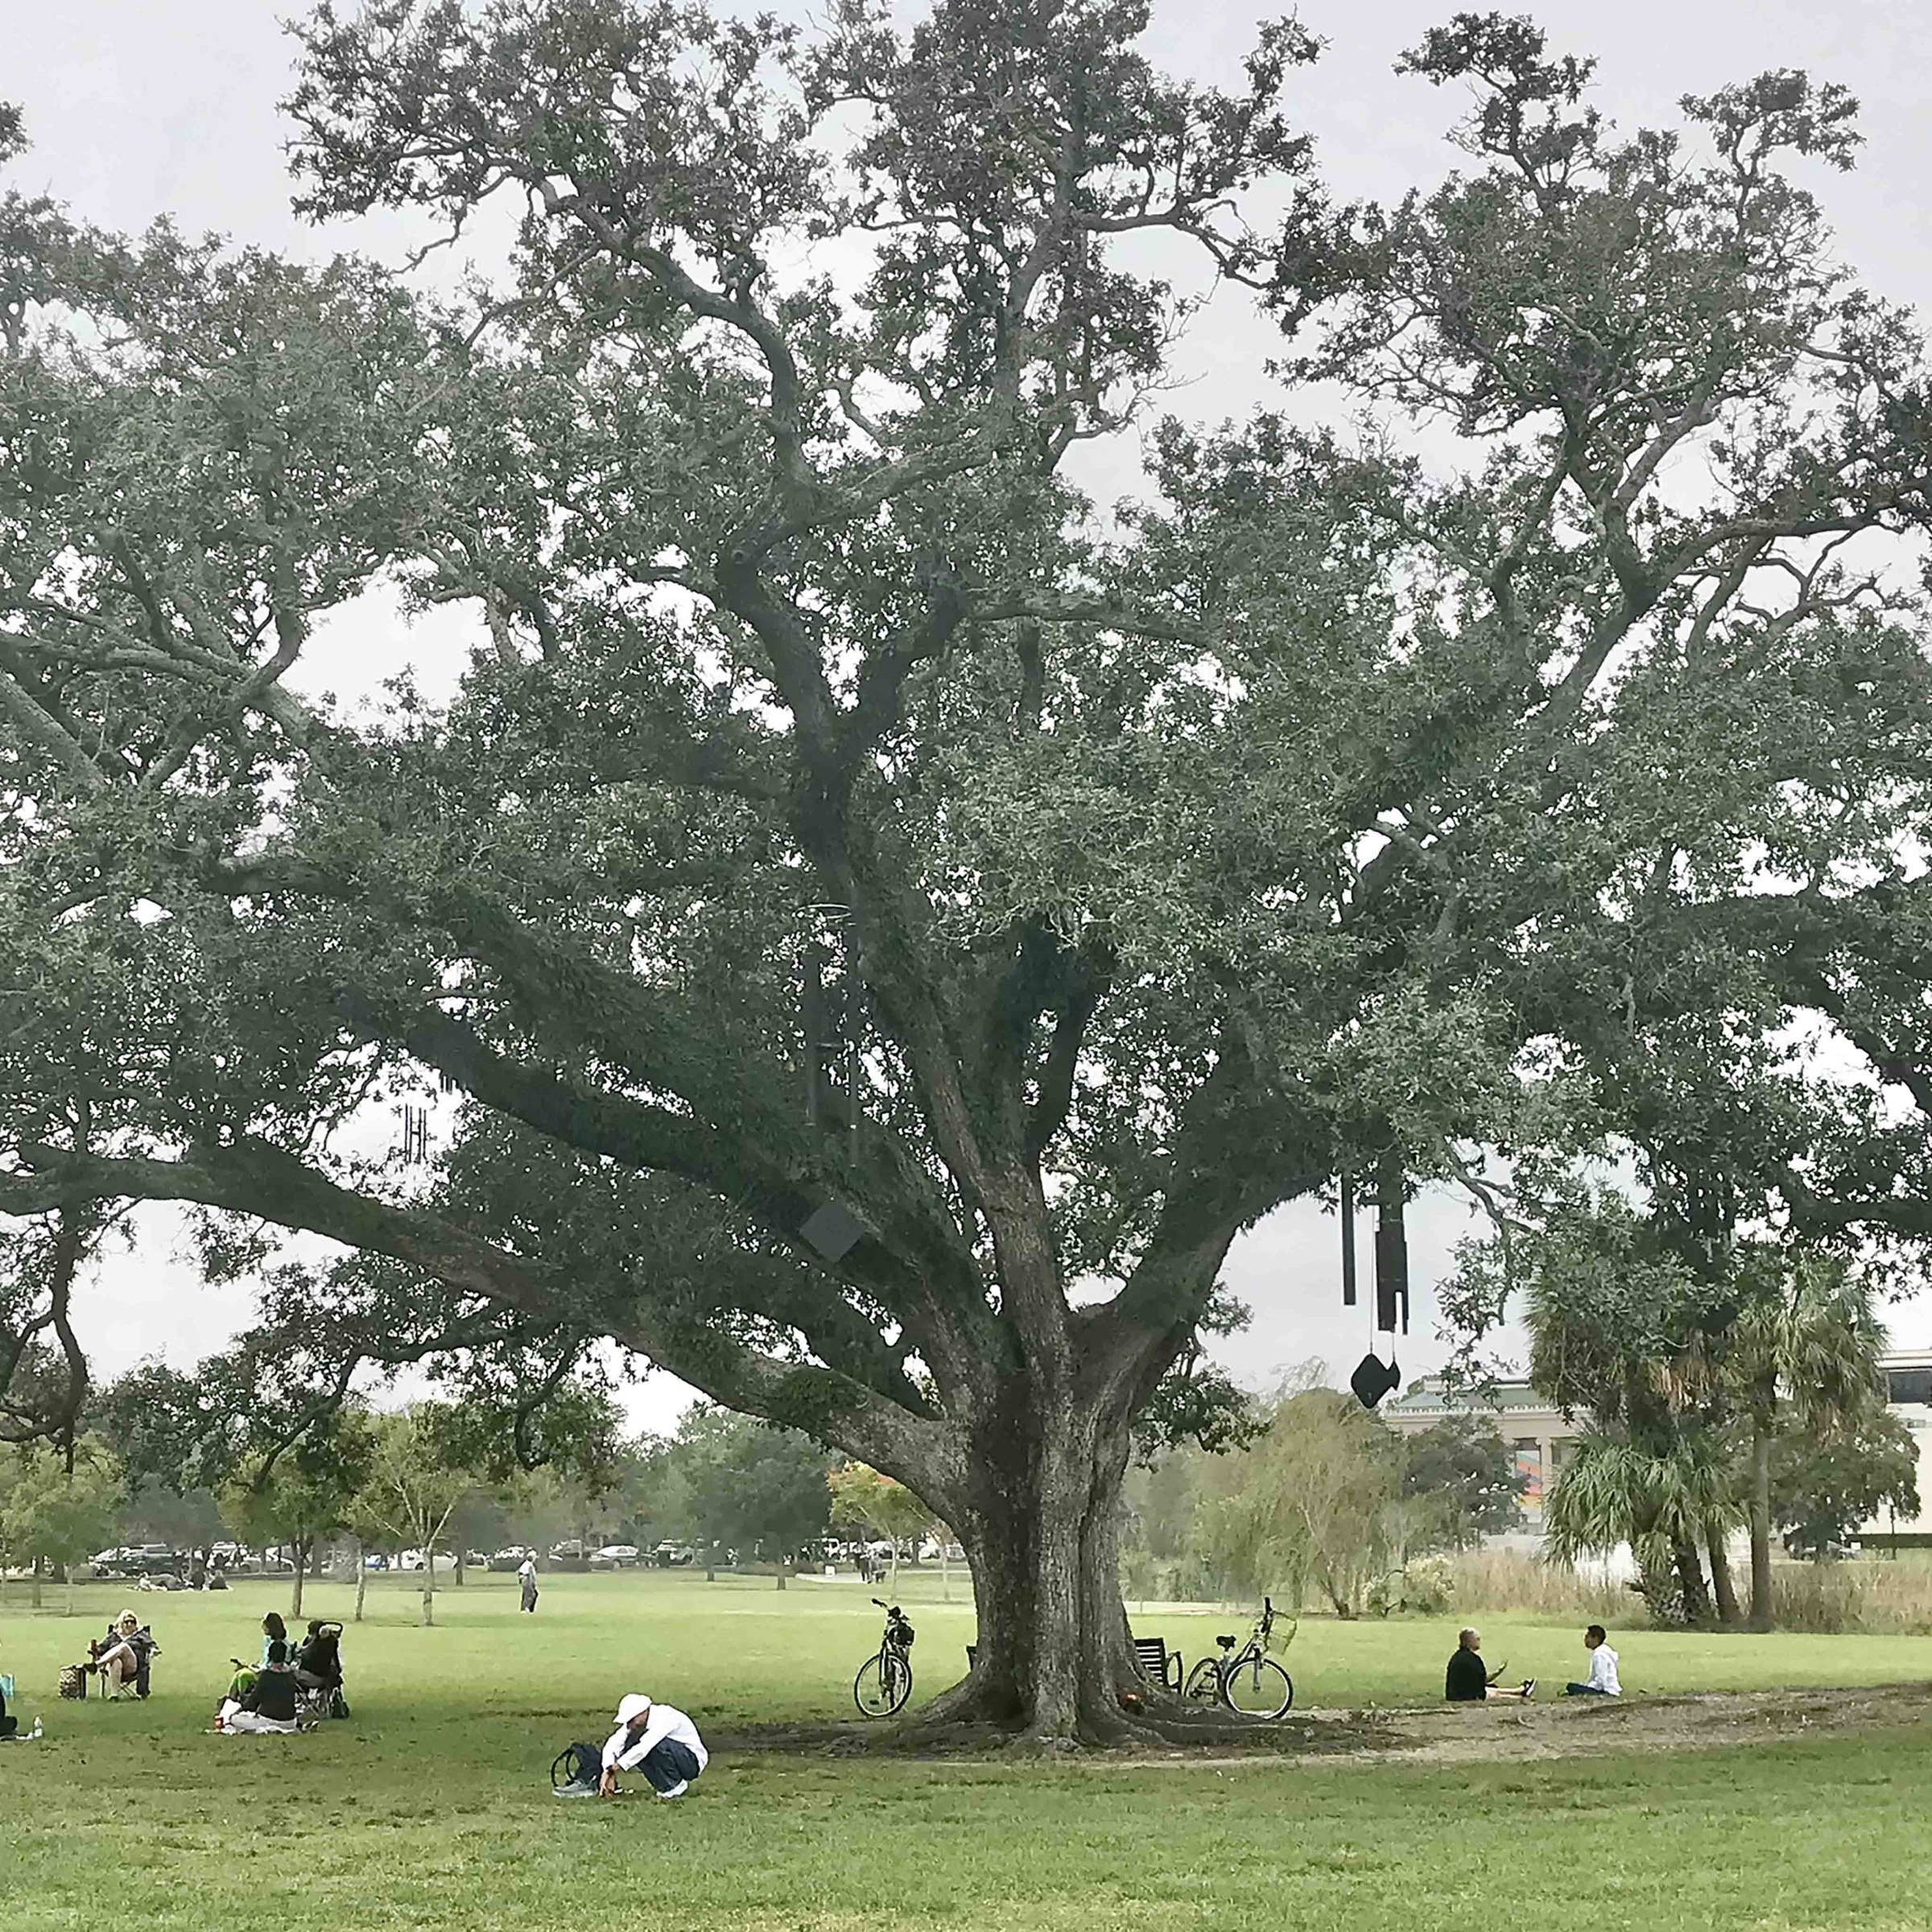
<point x="1259" y="1643"/>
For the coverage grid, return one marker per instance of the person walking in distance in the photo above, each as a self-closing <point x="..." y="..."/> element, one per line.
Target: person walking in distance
<point x="527" y="1576"/>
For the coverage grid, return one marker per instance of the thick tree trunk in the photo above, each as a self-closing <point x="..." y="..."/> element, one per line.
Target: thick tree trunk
<point x="1041" y="1532"/>
<point x="1760" y="1527"/>
<point x="1728" y="1612"/>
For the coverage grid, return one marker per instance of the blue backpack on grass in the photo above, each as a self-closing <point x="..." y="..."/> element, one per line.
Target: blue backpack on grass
<point x="577" y="1771"/>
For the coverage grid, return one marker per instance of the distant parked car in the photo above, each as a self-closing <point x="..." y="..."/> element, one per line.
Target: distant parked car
<point x="375" y="1560"/>
<point x="511" y="1558"/>
<point x="614" y="1556"/>
<point x="670" y="1556"/>
<point x="153" y="1559"/>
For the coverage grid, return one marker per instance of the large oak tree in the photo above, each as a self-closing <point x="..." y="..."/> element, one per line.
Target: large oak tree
<point x="887" y="925"/>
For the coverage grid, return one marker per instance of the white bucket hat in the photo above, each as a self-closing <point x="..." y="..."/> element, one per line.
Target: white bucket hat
<point x="632" y="1706"/>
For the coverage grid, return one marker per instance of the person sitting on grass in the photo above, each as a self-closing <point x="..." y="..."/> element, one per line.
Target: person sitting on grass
<point x="269" y="1702"/>
<point x="1468" y="1682"/>
<point x="121" y="1659"/>
<point x="10" y="1727"/>
<point x="661" y="1743"/>
<point x="274" y="1631"/>
<point x="1603" y="1681"/>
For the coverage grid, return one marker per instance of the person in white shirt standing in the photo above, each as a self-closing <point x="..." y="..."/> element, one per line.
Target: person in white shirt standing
<point x="1603" y="1667"/>
<point x="661" y="1743"/>
<point x="527" y="1576"/>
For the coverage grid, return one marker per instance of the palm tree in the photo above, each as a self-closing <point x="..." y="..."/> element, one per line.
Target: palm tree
<point x="1803" y="1351"/>
<point x="1664" y="1497"/>
<point x="1616" y="1321"/>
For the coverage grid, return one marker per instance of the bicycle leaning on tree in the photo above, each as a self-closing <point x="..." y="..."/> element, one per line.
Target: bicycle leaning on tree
<point x="884" y="1679"/>
<point x="1248" y="1680"/>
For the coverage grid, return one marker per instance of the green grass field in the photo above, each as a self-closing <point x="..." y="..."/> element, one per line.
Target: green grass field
<point x="431" y="1808"/>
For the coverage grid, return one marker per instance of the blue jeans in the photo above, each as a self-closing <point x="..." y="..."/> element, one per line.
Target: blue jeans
<point x="670" y="1763"/>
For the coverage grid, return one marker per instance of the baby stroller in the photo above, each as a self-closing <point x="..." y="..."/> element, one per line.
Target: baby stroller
<point x="318" y="1672"/>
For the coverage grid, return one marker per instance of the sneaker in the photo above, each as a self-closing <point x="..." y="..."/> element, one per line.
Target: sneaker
<point x="1528" y="1687"/>
<point x="677" y="1790"/>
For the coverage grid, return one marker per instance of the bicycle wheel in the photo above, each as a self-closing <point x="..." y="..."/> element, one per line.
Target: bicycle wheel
<point x="1257" y="1686"/>
<point x="872" y="1689"/>
<point x="1204" y="1683"/>
<point x="898" y="1680"/>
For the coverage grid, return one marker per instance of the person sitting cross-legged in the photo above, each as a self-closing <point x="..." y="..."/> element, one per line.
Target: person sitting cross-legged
<point x="1467" y="1681"/>
<point x="1602" y="1680"/>
<point x="661" y="1743"/>
<point x="269" y="1702"/>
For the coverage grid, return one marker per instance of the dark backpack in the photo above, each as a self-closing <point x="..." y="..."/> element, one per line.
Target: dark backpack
<point x="576" y="1764"/>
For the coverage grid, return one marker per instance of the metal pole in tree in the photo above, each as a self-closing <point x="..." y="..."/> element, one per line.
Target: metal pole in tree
<point x="830" y="1013"/>
<point x="1345" y="1206"/>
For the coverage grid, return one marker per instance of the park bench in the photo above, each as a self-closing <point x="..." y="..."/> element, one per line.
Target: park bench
<point x="1160" y="1664"/>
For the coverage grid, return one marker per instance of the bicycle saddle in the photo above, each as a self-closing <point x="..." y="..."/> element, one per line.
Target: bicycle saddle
<point x="1227" y="1643"/>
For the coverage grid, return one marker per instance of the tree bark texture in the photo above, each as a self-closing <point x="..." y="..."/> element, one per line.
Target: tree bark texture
<point x="1691" y="1578"/>
<point x="1760" y="1527"/>
<point x="1727" y="1611"/>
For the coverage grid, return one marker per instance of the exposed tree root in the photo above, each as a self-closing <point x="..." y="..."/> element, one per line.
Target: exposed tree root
<point x="967" y="1720"/>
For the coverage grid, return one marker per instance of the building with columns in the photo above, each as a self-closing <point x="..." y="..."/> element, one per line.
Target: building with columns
<point x="1536" y="1432"/>
<point x="1540" y="1437"/>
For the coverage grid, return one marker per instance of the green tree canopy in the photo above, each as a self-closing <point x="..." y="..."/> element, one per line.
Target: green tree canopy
<point x="54" y="1512"/>
<point x="302" y="1494"/>
<point x="887" y="925"/>
<point x="1462" y="1480"/>
<point x="745" y="1485"/>
<point x="1824" y="1492"/>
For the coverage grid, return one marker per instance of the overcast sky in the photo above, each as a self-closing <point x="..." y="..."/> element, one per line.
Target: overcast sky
<point x="137" y="109"/>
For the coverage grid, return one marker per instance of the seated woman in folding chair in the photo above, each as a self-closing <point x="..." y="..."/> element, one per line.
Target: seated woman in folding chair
<point x="122" y="1657"/>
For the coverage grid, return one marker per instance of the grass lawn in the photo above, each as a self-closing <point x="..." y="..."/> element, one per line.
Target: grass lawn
<point x="430" y="1807"/>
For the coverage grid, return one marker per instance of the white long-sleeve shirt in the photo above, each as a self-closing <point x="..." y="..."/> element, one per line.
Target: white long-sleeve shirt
<point x="1603" y="1671"/>
<point x="621" y="1753"/>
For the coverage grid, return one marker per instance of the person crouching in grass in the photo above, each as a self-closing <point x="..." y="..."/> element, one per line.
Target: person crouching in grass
<point x="661" y="1743"/>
